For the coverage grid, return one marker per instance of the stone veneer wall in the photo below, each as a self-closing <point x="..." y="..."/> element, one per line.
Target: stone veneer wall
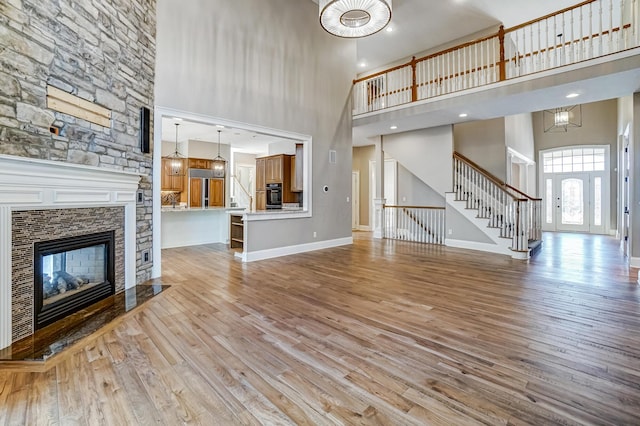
<point x="31" y="226"/>
<point x="100" y="50"/>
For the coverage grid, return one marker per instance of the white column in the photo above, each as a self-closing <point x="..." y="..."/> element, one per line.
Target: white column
<point x="5" y="277"/>
<point x="379" y="200"/>
<point x="378" y="217"/>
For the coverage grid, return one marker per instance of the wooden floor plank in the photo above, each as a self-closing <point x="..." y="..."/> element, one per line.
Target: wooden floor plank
<point x="381" y="332"/>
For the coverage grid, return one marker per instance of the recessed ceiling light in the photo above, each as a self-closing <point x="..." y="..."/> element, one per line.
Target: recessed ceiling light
<point x="573" y="95"/>
<point x="393" y="127"/>
<point x="389" y="29"/>
<point x="219" y="126"/>
<point x="463" y="115"/>
<point x="363" y="64"/>
<point x="177" y="118"/>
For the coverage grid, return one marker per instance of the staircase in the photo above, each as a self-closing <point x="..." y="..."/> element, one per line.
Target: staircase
<point x="511" y="219"/>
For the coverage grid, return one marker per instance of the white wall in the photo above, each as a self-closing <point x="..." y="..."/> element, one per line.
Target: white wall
<point x="266" y="63"/>
<point x="427" y="153"/>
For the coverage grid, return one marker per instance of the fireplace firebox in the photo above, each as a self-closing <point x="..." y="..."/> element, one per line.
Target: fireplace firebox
<point x="71" y="274"/>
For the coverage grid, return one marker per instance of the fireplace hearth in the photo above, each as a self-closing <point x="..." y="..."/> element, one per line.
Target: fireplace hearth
<point x="71" y="274"/>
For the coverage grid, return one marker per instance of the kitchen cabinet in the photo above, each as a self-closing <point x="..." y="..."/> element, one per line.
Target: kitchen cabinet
<point x="261" y="200"/>
<point x="171" y="182"/>
<point x="260" y="174"/>
<point x="274" y="172"/>
<point x="200" y="163"/>
<point x="195" y="192"/>
<point x="236" y="231"/>
<point x="276" y="169"/>
<point x="200" y="196"/>
<point x="297" y="181"/>
<point x="216" y="192"/>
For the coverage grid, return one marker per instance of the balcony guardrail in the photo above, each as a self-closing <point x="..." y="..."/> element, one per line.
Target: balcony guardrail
<point x="588" y="30"/>
<point x="414" y="223"/>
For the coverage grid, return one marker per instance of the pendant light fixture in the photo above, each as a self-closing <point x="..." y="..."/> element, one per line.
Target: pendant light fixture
<point x="219" y="163"/>
<point x="176" y="160"/>
<point x="354" y="18"/>
<point x="561" y="119"/>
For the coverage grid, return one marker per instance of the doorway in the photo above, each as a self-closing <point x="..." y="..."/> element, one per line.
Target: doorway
<point x="575" y="187"/>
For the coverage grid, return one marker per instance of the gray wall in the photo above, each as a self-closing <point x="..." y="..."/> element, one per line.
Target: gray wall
<point x="599" y="127"/>
<point x="519" y="134"/>
<point x="412" y="191"/>
<point x="427" y="153"/>
<point x="483" y="142"/>
<point x="266" y="63"/>
<point x="100" y="50"/>
<point x="460" y="228"/>
<point x="361" y="157"/>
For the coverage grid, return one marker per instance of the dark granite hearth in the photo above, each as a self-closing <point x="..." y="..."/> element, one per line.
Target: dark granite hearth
<point x="57" y="337"/>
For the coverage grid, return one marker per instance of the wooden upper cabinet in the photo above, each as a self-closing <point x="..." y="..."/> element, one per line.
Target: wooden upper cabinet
<point x="273" y="167"/>
<point x="168" y="181"/>
<point x="260" y="174"/>
<point x="200" y="163"/>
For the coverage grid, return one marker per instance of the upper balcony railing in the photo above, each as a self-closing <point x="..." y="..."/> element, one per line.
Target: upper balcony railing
<point x="585" y="31"/>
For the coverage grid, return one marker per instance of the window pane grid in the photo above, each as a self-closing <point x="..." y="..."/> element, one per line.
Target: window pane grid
<point x="574" y="160"/>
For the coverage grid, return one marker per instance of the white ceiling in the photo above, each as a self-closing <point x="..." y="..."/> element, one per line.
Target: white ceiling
<point x="420" y="25"/>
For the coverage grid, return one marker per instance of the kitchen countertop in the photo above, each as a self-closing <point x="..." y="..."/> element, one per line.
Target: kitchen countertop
<point x="277" y="211"/>
<point x="200" y="209"/>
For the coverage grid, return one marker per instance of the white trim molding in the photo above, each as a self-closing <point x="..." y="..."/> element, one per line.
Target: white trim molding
<point x="28" y="184"/>
<point x="634" y="262"/>
<point x="491" y="248"/>
<point x="253" y="256"/>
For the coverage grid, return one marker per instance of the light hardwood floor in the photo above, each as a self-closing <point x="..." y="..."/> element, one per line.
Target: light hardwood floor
<point x="380" y="332"/>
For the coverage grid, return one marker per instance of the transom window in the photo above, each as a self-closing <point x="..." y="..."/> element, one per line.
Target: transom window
<point x="574" y="160"/>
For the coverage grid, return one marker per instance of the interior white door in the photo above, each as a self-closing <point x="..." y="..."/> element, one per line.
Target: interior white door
<point x="571" y="196"/>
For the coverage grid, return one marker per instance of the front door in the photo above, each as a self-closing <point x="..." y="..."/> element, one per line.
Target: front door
<point x="571" y="194"/>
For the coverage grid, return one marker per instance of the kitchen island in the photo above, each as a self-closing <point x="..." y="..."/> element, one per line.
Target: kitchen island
<point x="190" y="226"/>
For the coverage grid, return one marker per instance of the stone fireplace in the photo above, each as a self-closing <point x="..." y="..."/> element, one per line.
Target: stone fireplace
<point x="68" y="239"/>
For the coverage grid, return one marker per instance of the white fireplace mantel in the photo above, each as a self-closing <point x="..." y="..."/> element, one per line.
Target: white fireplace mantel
<point x="28" y="183"/>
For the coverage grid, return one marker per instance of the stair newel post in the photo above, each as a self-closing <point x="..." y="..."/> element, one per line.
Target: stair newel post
<point x="414" y="85"/>
<point x="502" y="64"/>
<point x="455" y="175"/>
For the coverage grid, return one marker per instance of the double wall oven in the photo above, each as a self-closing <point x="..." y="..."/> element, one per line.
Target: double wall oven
<point x="274" y="196"/>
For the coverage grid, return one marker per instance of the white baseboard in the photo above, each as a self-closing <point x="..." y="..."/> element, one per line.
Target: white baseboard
<point x="473" y="245"/>
<point x="364" y="228"/>
<point x="634" y="262"/>
<point x="253" y="256"/>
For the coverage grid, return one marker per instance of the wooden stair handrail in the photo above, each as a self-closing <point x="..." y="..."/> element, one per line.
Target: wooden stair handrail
<point x="523" y="193"/>
<point x="488" y="176"/>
